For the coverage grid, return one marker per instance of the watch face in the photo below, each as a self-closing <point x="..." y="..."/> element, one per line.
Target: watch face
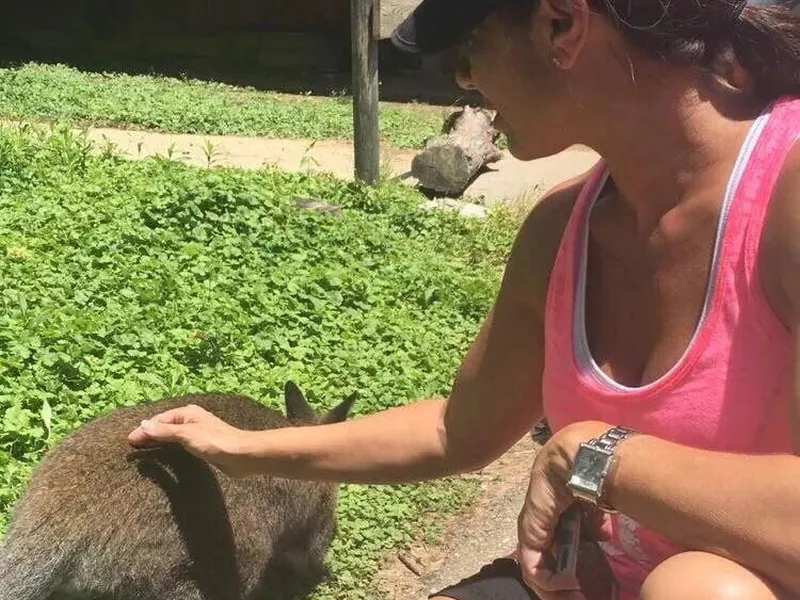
<point x="589" y="466"/>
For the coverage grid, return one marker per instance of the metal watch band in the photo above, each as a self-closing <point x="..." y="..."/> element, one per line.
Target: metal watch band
<point x="611" y="438"/>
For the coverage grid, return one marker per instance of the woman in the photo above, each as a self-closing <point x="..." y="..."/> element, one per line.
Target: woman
<point x="656" y="297"/>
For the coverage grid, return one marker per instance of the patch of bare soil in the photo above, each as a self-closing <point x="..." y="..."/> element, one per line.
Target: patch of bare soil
<point x="509" y="180"/>
<point x="469" y="539"/>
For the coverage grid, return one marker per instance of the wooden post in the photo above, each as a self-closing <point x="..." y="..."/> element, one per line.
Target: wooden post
<point x="364" y="17"/>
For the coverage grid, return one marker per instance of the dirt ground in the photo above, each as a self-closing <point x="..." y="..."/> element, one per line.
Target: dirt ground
<point x="504" y="181"/>
<point x="469" y="539"/>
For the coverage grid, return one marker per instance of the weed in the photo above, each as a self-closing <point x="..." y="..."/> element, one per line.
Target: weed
<point x="211" y="152"/>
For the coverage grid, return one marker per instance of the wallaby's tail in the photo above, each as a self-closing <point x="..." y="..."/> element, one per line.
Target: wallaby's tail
<point x="29" y="572"/>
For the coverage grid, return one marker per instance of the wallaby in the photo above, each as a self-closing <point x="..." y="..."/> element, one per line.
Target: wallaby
<point x="101" y="519"/>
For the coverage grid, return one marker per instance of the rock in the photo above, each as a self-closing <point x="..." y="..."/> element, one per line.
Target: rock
<point x="541" y="432"/>
<point x="411" y="562"/>
<point x="465" y="209"/>
<point x="449" y="162"/>
<point x="317" y="205"/>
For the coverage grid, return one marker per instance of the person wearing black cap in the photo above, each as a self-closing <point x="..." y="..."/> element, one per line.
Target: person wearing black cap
<point x="650" y="308"/>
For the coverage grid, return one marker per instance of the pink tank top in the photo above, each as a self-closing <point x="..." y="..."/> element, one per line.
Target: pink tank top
<point x="730" y="389"/>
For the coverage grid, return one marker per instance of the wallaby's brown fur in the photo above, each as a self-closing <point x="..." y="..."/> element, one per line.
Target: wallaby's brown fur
<point x="101" y="519"/>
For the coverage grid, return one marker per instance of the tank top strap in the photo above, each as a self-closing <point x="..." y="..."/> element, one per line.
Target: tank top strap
<point x="757" y="186"/>
<point x="564" y="271"/>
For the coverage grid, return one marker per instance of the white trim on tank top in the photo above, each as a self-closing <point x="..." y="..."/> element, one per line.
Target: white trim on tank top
<point x="583" y="353"/>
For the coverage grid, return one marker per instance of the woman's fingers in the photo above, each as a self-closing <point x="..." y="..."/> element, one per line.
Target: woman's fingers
<point x="598" y="523"/>
<point x="167" y="426"/>
<point x="538" y="575"/>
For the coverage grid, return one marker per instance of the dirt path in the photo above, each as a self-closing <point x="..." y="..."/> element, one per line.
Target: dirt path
<point x="479" y="534"/>
<point x="507" y="180"/>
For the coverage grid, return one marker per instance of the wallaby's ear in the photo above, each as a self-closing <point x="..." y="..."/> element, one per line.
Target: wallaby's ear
<point x="297" y="407"/>
<point x="341" y="412"/>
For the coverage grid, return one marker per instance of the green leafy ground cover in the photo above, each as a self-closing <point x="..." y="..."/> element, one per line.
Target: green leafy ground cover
<point x="122" y="281"/>
<point x="52" y="92"/>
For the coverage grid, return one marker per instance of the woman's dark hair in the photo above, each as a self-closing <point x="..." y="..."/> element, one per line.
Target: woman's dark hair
<point x="764" y="36"/>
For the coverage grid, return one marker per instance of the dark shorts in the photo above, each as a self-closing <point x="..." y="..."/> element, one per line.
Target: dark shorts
<point x="500" y="580"/>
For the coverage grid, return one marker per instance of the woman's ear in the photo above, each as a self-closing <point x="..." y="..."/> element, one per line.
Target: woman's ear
<point x="565" y="23"/>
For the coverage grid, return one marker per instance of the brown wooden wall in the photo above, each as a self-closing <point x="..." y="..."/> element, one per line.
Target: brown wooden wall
<point x="179" y="16"/>
<point x="268" y="33"/>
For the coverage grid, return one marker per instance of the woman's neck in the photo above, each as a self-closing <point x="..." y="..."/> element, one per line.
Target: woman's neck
<point x="667" y="146"/>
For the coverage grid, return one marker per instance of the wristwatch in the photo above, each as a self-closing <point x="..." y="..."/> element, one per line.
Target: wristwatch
<point x="592" y="465"/>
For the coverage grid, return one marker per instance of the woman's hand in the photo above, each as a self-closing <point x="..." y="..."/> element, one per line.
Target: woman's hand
<point x="547" y="498"/>
<point x="200" y="433"/>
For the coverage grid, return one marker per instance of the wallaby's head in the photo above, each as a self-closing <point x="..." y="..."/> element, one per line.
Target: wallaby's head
<point x="299" y="411"/>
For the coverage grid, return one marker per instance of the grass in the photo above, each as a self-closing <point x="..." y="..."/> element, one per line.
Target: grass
<point x="55" y="92"/>
<point x="130" y="280"/>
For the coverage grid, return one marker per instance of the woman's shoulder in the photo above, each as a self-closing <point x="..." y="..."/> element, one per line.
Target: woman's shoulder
<point x="779" y="252"/>
<point x="540" y="236"/>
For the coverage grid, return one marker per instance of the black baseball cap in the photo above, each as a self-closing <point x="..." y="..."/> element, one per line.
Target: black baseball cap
<point x="437" y="25"/>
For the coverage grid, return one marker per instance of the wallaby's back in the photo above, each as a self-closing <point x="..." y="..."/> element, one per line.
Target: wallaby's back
<point x="102" y="518"/>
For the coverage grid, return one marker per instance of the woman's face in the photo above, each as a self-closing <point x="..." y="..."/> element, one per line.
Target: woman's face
<point x="513" y="66"/>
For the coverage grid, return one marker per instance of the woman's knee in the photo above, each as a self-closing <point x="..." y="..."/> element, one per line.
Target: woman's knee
<point x="704" y="576"/>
